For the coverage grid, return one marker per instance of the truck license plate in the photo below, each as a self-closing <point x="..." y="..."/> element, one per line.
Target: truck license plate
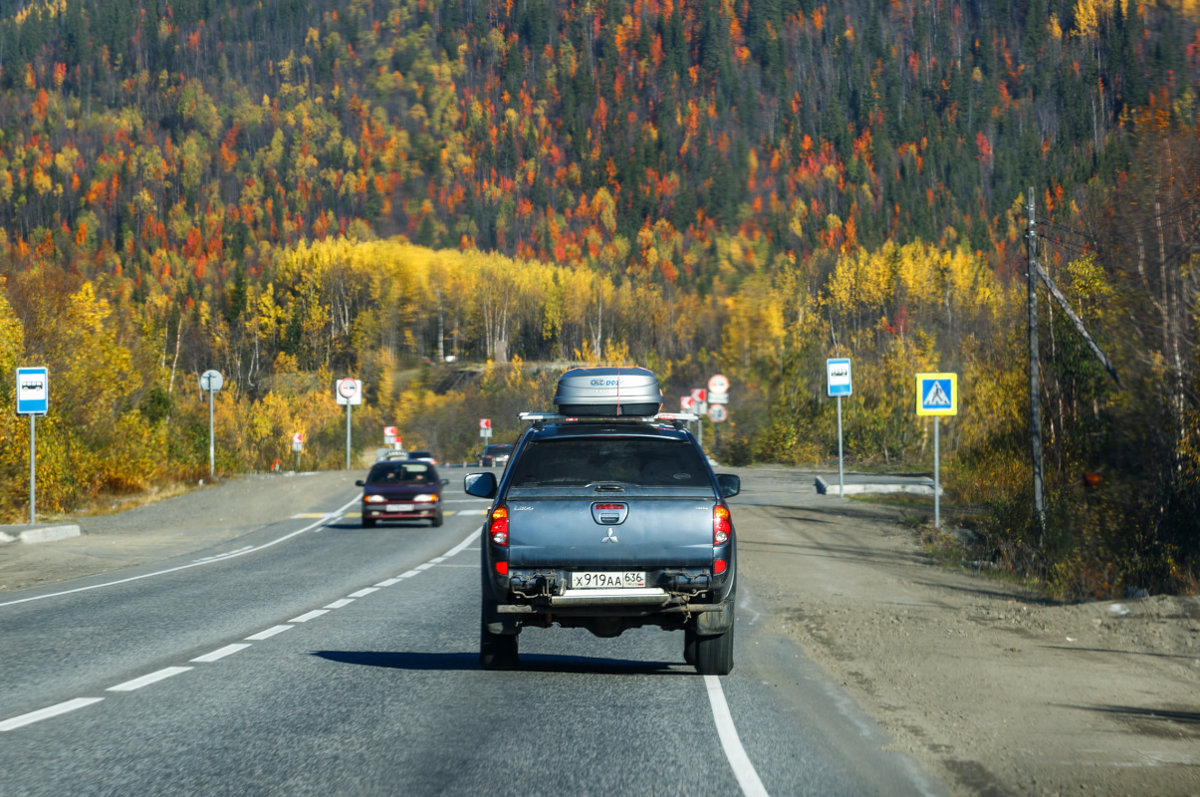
<point x="608" y="579"/>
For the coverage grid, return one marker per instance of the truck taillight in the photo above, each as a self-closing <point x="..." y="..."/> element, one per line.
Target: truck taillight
<point x="721" y="525"/>
<point x="498" y="529"/>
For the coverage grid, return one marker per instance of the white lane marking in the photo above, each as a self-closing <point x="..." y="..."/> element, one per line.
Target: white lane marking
<point x="146" y="680"/>
<point x="364" y="592"/>
<point x="243" y="552"/>
<point x="337" y="604"/>
<point x="270" y="632"/>
<point x="743" y="770"/>
<point x="46" y="713"/>
<point x="472" y="512"/>
<point x="137" y="683"/>
<point x="227" y="555"/>
<point x="304" y="618"/>
<point x="424" y="566"/>
<point x="221" y="653"/>
<point x="457" y="549"/>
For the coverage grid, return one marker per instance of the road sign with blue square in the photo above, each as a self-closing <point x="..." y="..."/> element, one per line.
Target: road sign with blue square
<point x="33" y="394"/>
<point x="937" y="394"/>
<point x="837" y="377"/>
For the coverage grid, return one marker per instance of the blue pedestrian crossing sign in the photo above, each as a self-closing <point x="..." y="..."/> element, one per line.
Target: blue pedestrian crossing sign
<point x="937" y="394"/>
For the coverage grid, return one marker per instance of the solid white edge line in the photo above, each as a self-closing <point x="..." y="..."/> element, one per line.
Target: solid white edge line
<point x="743" y="770"/>
<point x="270" y="632"/>
<point x="13" y="723"/>
<point x="146" y="680"/>
<point x="288" y="536"/>
<point x="221" y="653"/>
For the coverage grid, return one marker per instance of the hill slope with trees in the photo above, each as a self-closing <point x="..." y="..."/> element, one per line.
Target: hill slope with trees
<point x="291" y="191"/>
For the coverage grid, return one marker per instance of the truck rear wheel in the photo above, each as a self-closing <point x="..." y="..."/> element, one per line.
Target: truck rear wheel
<point x="496" y="651"/>
<point x="714" y="654"/>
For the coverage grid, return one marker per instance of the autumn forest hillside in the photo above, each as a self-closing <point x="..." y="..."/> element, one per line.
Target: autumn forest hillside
<point x="290" y="191"/>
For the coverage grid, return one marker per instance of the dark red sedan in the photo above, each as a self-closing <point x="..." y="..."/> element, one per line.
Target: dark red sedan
<point x="402" y="490"/>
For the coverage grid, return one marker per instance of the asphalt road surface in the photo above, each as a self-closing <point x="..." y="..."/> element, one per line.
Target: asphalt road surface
<point x="311" y="656"/>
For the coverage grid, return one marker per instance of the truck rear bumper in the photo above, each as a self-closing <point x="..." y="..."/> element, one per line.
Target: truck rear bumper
<point x="591" y="607"/>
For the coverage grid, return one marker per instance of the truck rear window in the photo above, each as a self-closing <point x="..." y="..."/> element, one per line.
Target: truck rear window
<point x="578" y="461"/>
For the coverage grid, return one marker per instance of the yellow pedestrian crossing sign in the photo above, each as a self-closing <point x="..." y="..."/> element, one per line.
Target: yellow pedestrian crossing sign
<point x="937" y="394"/>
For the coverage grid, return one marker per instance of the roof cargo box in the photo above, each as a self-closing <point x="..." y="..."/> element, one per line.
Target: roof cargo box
<point x="608" y="392"/>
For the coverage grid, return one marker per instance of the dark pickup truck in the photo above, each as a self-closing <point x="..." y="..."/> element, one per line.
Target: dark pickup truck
<point x="607" y="523"/>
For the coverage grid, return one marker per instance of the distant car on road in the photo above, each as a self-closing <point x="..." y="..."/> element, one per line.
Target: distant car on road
<point x="402" y="490"/>
<point x="495" y="455"/>
<point x="423" y="456"/>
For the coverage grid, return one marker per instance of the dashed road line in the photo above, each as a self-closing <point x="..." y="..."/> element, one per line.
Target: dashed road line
<point x="304" y="618"/>
<point x="146" y="680"/>
<point x="270" y="632"/>
<point x="46" y="713"/>
<point x="20" y="721"/>
<point x="221" y="653"/>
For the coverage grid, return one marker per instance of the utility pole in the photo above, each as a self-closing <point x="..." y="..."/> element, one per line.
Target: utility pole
<point x="1035" y="400"/>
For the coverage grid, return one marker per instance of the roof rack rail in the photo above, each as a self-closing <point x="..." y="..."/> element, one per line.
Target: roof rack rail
<point x="677" y="419"/>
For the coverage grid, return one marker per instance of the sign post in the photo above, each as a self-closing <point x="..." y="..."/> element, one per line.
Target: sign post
<point x="349" y="392"/>
<point x="33" y="399"/>
<point x="212" y="381"/>
<point x="937" y="395"/>
<point x="839" y="383"/>
<point x="718" y="394"/>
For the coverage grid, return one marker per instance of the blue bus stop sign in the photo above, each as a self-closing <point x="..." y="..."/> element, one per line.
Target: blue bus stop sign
<point x="33" y="391"/>
<point x="837" y="376"/>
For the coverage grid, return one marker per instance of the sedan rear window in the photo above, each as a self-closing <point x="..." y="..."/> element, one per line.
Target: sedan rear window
<point x="396" y="472"/>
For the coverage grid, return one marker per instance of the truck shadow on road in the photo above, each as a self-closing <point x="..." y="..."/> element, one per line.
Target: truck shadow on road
<point x="413" y="660"/>
<point x="1171" y="722"/>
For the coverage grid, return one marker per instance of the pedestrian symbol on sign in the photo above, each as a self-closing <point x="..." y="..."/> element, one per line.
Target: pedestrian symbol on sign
<point x="937" y="394"/>
<point x="936" y="397"/>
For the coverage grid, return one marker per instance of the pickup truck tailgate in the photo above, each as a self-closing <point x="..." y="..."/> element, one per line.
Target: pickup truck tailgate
<point x="615" y="533"/>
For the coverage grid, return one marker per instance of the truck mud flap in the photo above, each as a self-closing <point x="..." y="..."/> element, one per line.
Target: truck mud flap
<point x="716" y="622"/>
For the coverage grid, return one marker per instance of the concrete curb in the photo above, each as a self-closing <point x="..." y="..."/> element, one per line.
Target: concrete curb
<point x="885" y="485"/>
<point x="60" y="531"/>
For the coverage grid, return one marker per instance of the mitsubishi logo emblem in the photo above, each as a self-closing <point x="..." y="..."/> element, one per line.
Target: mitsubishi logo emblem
<point x="610" y="538"/>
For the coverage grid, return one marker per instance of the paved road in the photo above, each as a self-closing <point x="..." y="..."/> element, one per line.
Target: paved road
<point x="311" y="656"/>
